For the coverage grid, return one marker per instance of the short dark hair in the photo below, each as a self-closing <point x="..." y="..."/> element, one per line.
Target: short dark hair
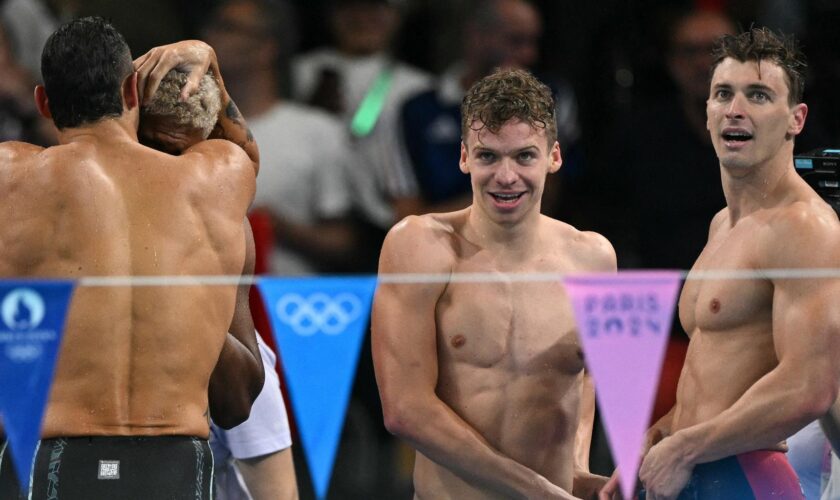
<point x="508" y="94"/>
<point x="761" y="44"/>
<point x="84" y="64"/>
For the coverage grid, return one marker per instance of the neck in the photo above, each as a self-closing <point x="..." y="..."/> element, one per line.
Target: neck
<point x="761" y="186"/>
<point x="120" y="128"/>
<point x="507" y="238"/>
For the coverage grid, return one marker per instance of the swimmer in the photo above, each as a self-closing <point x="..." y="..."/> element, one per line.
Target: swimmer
<point x="486" y="381"/>
<point x="763" y="360"/>
<point x="127" y="415"/>
<point x="259" y="450"/>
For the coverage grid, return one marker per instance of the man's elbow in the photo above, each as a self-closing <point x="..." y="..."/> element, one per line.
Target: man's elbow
<point x="233" y="414"/>
<point x="400" y="419"/>
<point x="822" y="396"/>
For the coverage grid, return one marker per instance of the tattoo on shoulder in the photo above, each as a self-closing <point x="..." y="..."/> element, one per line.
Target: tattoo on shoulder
<point x="250" y="136"/>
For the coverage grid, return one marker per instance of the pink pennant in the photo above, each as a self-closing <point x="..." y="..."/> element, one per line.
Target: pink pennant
<point x="624" y="321"/>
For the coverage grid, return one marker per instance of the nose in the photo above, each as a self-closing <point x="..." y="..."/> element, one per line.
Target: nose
<point x="735" y="109"/>
<point x="506" y="173"/>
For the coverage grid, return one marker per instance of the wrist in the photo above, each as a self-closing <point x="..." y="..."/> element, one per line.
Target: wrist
<point x="689" y="445"/>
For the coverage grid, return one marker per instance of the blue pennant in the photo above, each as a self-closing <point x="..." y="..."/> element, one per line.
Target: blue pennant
<point x="319" y="325"/>
<point x="32" y="317"/>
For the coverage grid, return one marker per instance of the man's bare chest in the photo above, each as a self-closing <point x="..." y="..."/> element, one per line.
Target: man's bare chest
<point x="724" y="290"/>
<point x="520" y="326"/>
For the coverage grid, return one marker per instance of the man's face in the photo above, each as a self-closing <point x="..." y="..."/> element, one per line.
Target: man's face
<point x="364" y="28"/>
<point x="508" y="169"/>
<point x="748" y="114"/>
<point x="690" y="53"/>
<point x="239" y="37"/>
<point x="514" y="43"/>
<point x="164" y="134"/>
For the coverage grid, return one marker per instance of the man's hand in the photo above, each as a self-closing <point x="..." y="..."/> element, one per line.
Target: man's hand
<point x="189" y="56"/>
<point x="611" y="490"/>
<point x="587" y="485"/>
<point x="665" y="471"/>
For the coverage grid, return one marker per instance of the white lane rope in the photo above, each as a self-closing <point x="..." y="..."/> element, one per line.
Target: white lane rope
<point x="488" y="277"/>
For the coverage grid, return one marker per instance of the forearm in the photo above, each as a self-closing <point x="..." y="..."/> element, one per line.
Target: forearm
<point x="270" y="477"/>
<point x="773" y="409"/>
<point x="235" y="383"/>
<point x="437" y="432"/>
<point x="231" y="125"/>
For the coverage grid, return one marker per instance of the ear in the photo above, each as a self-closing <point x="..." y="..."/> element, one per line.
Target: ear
<point x="555" y="157"/>
<point x="42" y="102"/>
<point x="130" y="93"/>
<point x="797" y="118"/>
<point x="462" y="163"/>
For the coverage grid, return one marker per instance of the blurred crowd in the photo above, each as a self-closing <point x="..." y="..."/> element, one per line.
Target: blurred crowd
<point x="355" y="107"/>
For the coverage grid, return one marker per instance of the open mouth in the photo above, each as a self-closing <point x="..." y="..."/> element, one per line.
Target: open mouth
<point x="506" y="197"/>
<point x="736" y="137"/>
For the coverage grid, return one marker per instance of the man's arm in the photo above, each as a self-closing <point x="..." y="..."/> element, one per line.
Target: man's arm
<point x="196" y="58"/>
<point x="803" y="385"/>
<point x="238" y="377"/>
<point x="405" y="361"/>
<point x="586" y="484"/>
<point x="271" y="476"/>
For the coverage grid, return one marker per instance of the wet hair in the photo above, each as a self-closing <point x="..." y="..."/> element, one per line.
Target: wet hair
<point x="505" y="95"/>
<point x="200" y="111"/>
<point x="84" y="64"/>
<point x="761" y="44"/>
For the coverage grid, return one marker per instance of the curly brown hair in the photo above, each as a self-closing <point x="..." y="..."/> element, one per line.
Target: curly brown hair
<point x="761" y="44"/>
<point x="506" y="95"/>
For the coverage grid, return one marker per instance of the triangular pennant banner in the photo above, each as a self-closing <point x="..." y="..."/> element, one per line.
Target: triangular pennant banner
<point x="319" y="325"/>
<point x="624" y="322"/>
<point x="32" y="317"/>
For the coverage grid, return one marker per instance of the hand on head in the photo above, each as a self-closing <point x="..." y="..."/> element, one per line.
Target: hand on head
<point x="193" y="57"/>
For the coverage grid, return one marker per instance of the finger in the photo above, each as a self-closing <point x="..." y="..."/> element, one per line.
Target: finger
<point x="141" y="60"/>
<point x="193" y="81"/>
<point x="155" y="76"/>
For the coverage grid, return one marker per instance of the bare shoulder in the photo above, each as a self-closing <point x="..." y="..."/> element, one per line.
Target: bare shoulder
<point x="217" y="153"/>
<point x="804" y="233"/>
<point x="13" y="151"/>
<point x="591" y="250"/>
<point x="420" y="243"/>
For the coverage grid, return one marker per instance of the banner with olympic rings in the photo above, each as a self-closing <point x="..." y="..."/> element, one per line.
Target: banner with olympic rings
<point x="624" y="322"/>
<point x="32" y="315"/>
<point x="319" y="324"/>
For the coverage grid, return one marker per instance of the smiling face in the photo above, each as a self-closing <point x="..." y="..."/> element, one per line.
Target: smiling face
<point x="508" y="169"/>
<point x="749" y="116"/>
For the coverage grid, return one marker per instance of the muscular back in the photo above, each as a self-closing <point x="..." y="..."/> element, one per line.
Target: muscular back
<point x="134" y="360"/>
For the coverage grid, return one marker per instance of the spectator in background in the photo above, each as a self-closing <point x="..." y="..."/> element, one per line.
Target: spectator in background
<point x="19" y="119"/>
<point x="661" y="183"/>
<point x="497" y="33"/>
<point x="303" y="184"/>
<point x="358" y="80"/>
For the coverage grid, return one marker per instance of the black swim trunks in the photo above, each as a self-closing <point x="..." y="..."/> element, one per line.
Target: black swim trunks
<point x="9" y="488"/>
<point x="155" y="467"/>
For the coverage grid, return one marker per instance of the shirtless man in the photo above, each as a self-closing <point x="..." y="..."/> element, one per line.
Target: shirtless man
<point x="260" y="448"/>
<point x="131" y="381"/>
<point x="486" y="380"/>
<point x="764" y="353"/>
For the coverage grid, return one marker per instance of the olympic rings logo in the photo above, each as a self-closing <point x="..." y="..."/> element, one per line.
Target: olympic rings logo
<point x="318" y="312"/>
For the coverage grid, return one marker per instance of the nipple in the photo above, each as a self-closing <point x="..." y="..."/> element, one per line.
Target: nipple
<point x="714" y="306"/>
<point x="458" y="341"/>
